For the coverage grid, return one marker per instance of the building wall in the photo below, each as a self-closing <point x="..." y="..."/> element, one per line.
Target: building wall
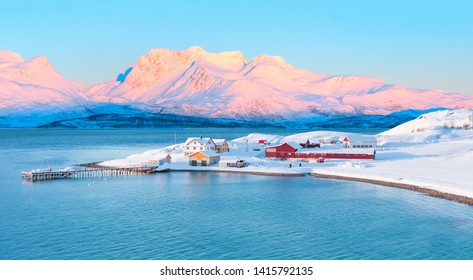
<point x="363" y="144"/>
<point x="317" y="155"/>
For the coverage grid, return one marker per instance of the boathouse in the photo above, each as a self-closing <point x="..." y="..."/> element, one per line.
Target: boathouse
<point x="204" y="158"/>
<point x="221" y="145"/>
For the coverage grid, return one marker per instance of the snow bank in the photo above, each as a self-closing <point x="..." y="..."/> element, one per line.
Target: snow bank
<point x="437" y="126"/>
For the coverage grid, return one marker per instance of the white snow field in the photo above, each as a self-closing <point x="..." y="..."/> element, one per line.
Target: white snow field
<point x="434" y="151"/>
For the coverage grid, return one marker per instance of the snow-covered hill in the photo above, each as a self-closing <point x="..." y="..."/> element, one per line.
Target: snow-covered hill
<point x="195" y="82"/>
<point x="432" y="127"/>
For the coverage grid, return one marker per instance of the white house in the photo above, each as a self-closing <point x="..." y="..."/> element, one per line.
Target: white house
<point x="363" y="142"/>
<point x="198" y="144"/>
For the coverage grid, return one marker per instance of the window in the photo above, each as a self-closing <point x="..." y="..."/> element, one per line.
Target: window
<point x="371" y="146"/>
<point x="187" y="148"/>
<point x="194" y="148"/>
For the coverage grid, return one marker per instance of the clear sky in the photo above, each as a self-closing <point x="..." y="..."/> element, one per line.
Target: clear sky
<point x="419" y="44"/>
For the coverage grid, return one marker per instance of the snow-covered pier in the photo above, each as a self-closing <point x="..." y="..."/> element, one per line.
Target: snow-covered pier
<point x="91" y="170"/>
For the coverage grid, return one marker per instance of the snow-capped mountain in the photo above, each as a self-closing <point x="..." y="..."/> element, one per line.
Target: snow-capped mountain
<point x="32" y="92"/>
<point x="35" y="82"/>
<point x="194" y="82"/>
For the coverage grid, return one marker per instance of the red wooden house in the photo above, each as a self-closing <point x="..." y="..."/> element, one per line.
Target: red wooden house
<point x="282" y="151"/>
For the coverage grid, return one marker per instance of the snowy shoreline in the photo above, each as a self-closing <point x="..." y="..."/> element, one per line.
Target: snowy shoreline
<point x="431" y="154"/>
<point x="428" y="191"/>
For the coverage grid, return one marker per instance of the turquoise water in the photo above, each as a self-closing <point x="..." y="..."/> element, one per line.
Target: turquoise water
<point x="207" y="215"/>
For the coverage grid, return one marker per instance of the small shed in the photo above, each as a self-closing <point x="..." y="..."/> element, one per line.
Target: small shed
<point x="204" y="158"/>
<point x="228" y="162"/>
<point x="160" y="161"/>
<point x="166" y="159"/>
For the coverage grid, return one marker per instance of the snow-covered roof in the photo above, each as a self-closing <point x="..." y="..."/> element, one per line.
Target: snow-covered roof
<point x="202" y="141"/>
<point x="292" y="144"/>
<point x="219" y="141"/>
<point x="229" y="159"/>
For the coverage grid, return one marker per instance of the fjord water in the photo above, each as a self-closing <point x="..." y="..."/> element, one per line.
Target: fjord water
<point x="207" y="215"/>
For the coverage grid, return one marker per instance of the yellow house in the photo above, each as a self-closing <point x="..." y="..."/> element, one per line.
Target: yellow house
<point x="204" y="158"/>
<point x="221" y="145"/>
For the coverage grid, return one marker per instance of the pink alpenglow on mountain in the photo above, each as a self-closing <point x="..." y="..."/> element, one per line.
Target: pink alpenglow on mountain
<point x="194" y="82"/>
<point x="35" y="83"/>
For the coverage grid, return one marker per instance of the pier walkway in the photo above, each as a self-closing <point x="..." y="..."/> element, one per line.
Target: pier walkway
<point x="87" y="170"/>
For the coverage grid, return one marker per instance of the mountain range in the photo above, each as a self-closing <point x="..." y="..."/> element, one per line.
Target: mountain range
<point x="168" y="84"/>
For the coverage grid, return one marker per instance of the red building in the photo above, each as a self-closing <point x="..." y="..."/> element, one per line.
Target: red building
<point x="286" y="151"/>
<point x="282" y="151"/>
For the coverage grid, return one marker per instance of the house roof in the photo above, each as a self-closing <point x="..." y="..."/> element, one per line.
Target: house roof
<point x="207" y="153"/>
<point x="219" y="141"/>
<point x="229" y="159"/>
<point x="202" y="141"/>
<point x="293" y="145"/>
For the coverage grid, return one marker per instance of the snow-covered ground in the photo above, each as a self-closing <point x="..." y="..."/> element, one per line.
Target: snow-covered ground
<point x="434" y="151"/>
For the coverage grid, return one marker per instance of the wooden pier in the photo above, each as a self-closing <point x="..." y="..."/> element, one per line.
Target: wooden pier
<point x="88" y="170"/>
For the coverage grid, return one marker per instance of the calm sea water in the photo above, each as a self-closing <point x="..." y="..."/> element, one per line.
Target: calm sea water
<point x="206" y="216"/>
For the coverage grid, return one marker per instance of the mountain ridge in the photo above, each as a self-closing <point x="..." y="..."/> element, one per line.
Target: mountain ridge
<point x="194" y="82"/>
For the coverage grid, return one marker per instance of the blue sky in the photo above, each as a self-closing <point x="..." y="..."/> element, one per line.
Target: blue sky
<point x="419" y="44"/>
